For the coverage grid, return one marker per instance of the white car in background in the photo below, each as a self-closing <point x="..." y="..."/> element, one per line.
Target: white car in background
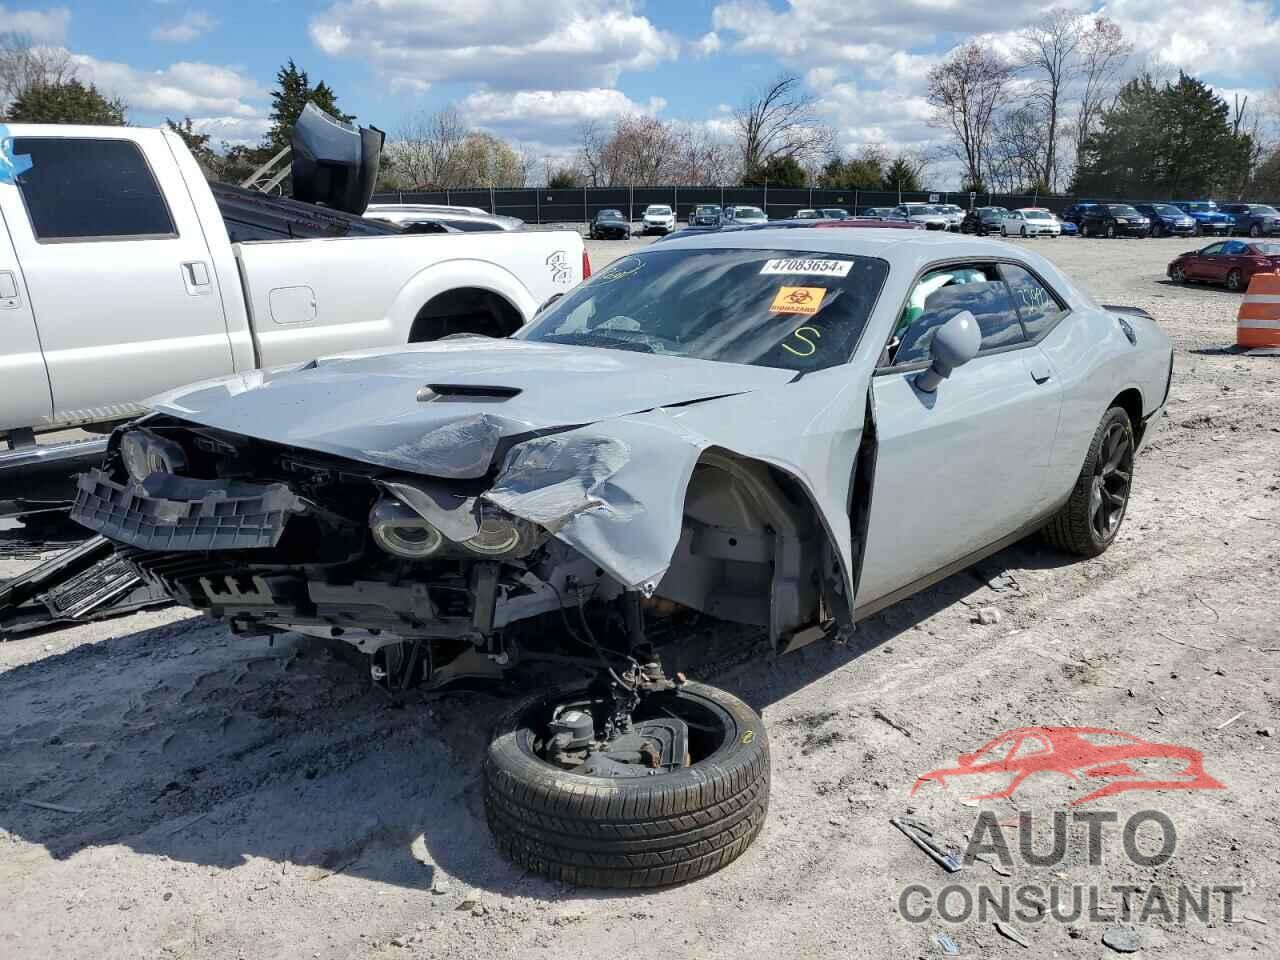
<point x="658" y="218"/>
<point x="1031" y="222"/>
<point x="954" y="215"/>
<point x="926" y="214"/>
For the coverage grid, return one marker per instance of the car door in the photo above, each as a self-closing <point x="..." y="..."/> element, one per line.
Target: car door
<point x="27" y="402"/>
<point x="1208" y="263"/>
<point x="118" y="271"/>
<point x="1233" y="257"/>
<point x="964" y="467"/>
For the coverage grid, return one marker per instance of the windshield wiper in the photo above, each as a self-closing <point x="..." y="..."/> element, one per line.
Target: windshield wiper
<point x="597" y="340"/>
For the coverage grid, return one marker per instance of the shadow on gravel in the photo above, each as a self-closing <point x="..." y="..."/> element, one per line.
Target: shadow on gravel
<point x="186" y="742"/>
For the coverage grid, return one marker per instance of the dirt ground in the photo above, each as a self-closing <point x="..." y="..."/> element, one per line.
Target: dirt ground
<point x="224" y="798"/>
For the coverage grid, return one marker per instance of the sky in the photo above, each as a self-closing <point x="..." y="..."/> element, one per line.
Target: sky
<point x="533" y="70"/>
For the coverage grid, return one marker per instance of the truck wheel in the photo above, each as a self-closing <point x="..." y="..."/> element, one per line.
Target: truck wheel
<point x="1090" y="519"/>
<point x="636" y="828"/>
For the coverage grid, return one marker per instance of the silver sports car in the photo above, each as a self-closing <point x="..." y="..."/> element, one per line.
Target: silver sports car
<point x="783" y="428"/>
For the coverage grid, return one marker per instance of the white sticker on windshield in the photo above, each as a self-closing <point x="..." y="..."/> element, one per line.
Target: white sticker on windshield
<point x="819" y="268"/>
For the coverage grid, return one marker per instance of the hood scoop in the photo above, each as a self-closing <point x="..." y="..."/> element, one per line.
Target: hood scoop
<point x="465" y="393"/>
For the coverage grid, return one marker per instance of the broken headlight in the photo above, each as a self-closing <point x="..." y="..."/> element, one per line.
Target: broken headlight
<point x="143" y="453"/>
<point x="400" y="531"/>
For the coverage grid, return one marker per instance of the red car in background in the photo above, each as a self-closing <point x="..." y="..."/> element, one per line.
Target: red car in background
<point x="1233" y="262"/>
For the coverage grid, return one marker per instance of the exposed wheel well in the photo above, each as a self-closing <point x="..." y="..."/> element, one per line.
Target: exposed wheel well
<point x="1131" y="402"/>
<point x="465" y="310"/>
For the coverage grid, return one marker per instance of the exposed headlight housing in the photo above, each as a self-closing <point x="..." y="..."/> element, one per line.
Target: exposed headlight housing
<point x="401" y="532"/>
<point x="143" y="453"/>
<point x="501" y="534"/>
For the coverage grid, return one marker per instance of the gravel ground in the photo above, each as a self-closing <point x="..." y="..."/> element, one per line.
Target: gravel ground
<point x="225" y="798"/>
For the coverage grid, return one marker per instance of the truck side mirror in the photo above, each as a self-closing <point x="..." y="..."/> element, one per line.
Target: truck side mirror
<point x="954" y="344"/>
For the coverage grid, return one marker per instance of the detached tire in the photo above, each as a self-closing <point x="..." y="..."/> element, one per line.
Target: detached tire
<point x="1090" y="519"/>
<point x="646" y="831"/>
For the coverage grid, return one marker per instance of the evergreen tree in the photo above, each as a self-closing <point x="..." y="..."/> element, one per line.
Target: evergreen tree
<point x="69" y="101"/>
<point x="198" y="144"/>
<point x="902" y="175"/>
<point x="777" y="171"/>
<point x="293" y="92"/>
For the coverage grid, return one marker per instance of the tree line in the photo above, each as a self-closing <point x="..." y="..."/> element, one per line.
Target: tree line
<point x="1064" y="111"/>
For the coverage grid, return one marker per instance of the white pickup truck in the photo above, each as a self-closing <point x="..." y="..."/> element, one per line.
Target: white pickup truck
<point x="121" y="277"/>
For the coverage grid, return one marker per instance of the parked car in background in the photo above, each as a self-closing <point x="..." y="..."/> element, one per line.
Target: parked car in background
<point x="1231" y="262"/>
<point x="1069" y="229"/>
<point x="807" y="215"/>
<point x="1254" y="219"/>
<point x="983" y="220"/>
<point x="629" y="461"/>
<point x="658" y="218"/>
<point x="705" y="215"/>
<point x="924" y="213"/>
<point x="459" y="219"/>
<point x="876" y="213"/>
<point x="834" y="213"/>
<point x="741" y="214"/>
<point x="1209" y="219"/>
<point x="1030" y="222"/>
<point x="954" y="215"/>
<point x="1075" y="212"/>
<point x="1167" y="220"/>
<point x="610" y="225"/>
<point x="1113" y="220"/>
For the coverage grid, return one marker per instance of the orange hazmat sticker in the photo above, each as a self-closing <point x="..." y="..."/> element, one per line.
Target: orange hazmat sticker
<point x="806" y="300"/>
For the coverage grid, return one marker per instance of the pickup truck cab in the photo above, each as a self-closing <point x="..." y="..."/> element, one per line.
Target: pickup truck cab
<point x="119" y="279"/>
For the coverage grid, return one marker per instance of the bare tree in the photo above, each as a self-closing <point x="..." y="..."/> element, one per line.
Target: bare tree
<point x="1103" y="54"/>
<point x="1049" y="53"/>
<point x="425" y="148"/>
<point x="1015" y="156"/>
<point x="965" y="91"/>
<point x="781" y="121"/>
<point x="634" y="150"/>
<point x="24" y="66"/>
<point x="703" y="159"/>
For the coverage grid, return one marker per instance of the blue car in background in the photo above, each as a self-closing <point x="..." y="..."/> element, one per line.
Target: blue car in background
<point x="1167" y="220"/>
<point x="1209" y="219"/>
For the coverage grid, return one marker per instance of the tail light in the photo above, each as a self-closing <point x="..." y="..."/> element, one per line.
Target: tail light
<point x="586" y="264"/>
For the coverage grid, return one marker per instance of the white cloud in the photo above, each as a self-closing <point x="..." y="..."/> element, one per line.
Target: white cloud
<point x="707" y="45"/>
<point x="42" y="26"/>
<point x="1229" y="38"/>
<point x="242" y="131"/>
<point x="181" y="89"/>
<point x="191" y="25"/>
<point x="549" y="115"/>
<point x="559" y="44"/>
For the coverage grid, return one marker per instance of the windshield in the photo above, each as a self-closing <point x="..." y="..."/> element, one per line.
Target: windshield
<point x="835" y="213"/>
<point x="1262" y="210"/>
<point x="749" y="213"/>
<point x="658" y="211"/>
<point x="771" y="308"/>
<point x="1166" y="210"/>
<point x="1037" y="214"/>
<point x="1122" y="210"/>
<point x="1202" y="206"/>
<point x="708" y="210"/>
<point x="609" y="215"/>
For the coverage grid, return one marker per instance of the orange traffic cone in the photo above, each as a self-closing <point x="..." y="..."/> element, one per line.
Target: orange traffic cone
<point x="1258" y="324"/>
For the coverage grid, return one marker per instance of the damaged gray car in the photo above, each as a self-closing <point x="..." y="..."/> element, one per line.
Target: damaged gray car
<point x="775" y="429"/>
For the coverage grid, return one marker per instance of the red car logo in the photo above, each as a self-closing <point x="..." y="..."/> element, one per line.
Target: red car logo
<point x="1078" y="753"/>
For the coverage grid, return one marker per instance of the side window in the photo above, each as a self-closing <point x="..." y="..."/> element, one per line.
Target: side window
<point x="1235" y="248"/>
<point x="88" y="189"/>
<point x="1039" y="309"/>
<point x="1212" y="249"/>
<point x="940" y="295"/>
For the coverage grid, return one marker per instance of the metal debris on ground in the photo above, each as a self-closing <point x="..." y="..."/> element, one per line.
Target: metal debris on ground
<point x="87" y="582"/>
<point x="949" y="947"/>
<point x="1228" y="722"/>
<point x="896" y="724"/>
<point x="949" y="860"/>
<point x="1122" y="939"/>
<point x="56" y="807"/>
<point x="1011" y="933"/>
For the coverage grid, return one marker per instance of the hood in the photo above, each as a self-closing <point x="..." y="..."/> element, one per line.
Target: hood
<point x="443" y="409"/>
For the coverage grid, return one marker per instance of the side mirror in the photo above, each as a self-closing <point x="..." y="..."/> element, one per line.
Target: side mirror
<point x="955" y="343"/>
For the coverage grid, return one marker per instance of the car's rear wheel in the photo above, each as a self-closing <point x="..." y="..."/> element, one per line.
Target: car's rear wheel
<point x="1235" y="280"/>
<point x="629" y="823"/>
<point x="1090" y="519"/>
<point x="1111" y="231"/>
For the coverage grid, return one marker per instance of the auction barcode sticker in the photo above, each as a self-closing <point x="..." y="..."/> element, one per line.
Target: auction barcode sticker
<point x="820" y="268"/>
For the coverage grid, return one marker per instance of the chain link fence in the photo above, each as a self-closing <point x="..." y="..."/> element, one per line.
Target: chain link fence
<point x="581" y="204"/>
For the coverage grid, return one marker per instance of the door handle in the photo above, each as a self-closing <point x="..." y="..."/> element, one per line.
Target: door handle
<point x="195" y="273"/>
<point x="9" y="297"/>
